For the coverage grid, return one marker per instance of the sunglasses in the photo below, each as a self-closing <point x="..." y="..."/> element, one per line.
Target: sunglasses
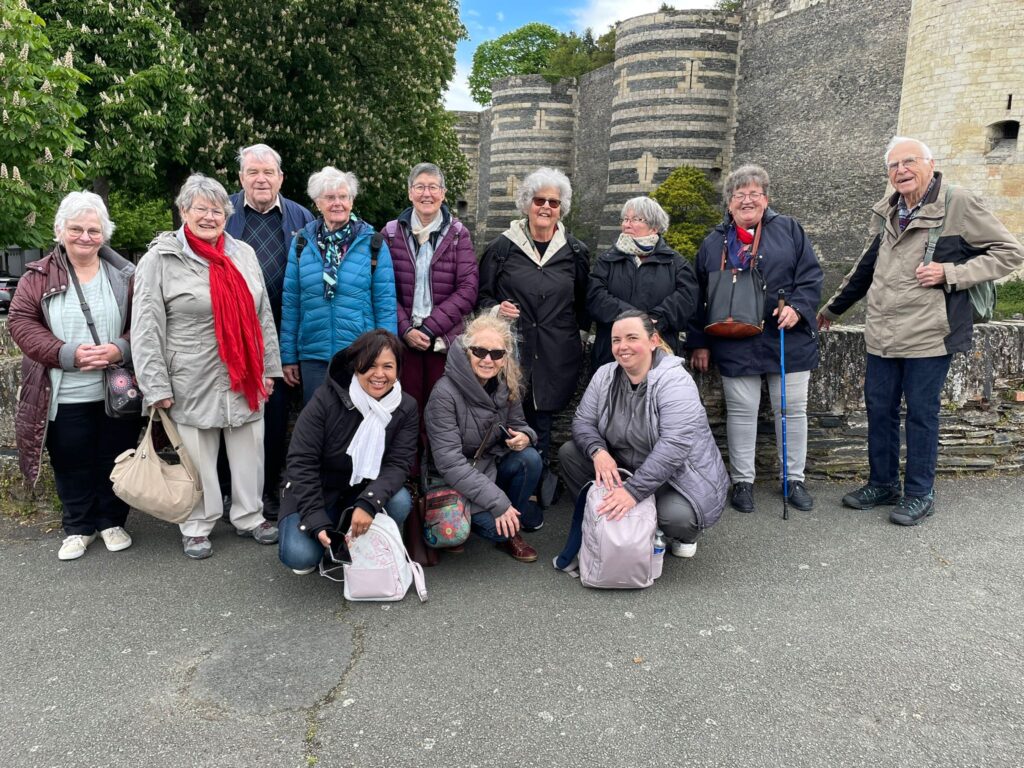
<point x="481" y="352"/>
<point x="552" y="202"/>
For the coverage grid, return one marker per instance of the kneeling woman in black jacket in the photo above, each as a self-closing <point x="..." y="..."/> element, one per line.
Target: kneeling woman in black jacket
<point x="352" y="448"/>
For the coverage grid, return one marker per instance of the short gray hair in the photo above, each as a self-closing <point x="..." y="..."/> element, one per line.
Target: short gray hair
<point x="538" y="180"/>
<point x="899" y="140"/>
<point x="77" y="204"/>
<point x="742" y="177"/>
<point x="649" y="210"/>
<point x="330" y="178"/>
<point x="198" y="186"/>
<point x="426" y="168"/>
<point x="258" y="152"/>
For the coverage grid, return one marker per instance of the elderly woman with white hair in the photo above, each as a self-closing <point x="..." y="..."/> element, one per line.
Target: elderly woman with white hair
<point x="339" y="283"/>
<point x="535" y="275"/>
<point x="641" y="272"/>
<point x="207" y="351"/>
<point x="61" y="399"/>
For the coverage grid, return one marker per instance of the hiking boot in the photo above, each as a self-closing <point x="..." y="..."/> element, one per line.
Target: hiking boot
<point x="74" y="546"/>
<point x="799" y="497"/>
<point x="742" y="497"/>
<point x="116" y="538"/>
<point x="683" y="548"/>
<point x="197" y="547"/>
<point x="870" y="496"/>
<point x="519" y="549"/>
<point x="912" y="510"/>
<point x="264" y="533"/>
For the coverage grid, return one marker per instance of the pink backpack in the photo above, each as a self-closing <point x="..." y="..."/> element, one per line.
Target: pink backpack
<point x="619" y="554"/>
<point x="381" y="568"/>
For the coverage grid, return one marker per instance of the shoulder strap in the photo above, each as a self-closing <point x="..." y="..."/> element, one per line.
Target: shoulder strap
<point x="417" y="576"/>
<point x="375" y="243"/>
<point x="84" y="304"/>
<point x="936" y="232"/>
<point x="300" y="244"/>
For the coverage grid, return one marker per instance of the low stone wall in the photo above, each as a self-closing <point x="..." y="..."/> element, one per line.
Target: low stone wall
<point x="982" y="421"/>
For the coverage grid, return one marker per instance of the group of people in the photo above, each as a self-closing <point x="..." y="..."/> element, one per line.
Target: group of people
<point x="411" y="356"/>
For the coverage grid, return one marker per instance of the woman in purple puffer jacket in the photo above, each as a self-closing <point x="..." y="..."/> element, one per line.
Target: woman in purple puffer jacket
<point x="436" y="280"/>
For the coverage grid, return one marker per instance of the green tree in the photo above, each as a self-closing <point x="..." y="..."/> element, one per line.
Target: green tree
<point x="693" y="205"/>
<point x="732" y="6"/>
<point x="138" y="219"/>
<point x="38" y="137"/>
<point x="523" y="51"/>
<point x="142" y="101"/>
<point x="352" y="83"/>
<point x="575" y="55"/>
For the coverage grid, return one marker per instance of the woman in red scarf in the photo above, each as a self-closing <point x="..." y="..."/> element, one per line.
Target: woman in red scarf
<point x="208" y="351"/>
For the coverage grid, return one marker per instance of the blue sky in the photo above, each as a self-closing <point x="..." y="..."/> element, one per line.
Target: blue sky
<point x="486" y="20"/>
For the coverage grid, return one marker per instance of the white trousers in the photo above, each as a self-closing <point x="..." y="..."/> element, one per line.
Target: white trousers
<point x="245" y="456"/>
<point x="742" y="401"/>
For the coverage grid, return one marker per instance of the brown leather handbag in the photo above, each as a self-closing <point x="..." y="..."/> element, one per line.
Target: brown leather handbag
<point x="735" y="303"/>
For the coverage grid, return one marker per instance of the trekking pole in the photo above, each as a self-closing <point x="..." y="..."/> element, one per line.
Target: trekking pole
<point x="782" y="368"/>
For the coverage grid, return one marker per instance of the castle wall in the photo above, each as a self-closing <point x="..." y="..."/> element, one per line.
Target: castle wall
<point x="964" y="83"/>
<point x="675" y="76"/>
<point x="465" y="205"/>
<point x="532" y="123"/>
<point x="818" y="98"/>
<point x="590" y="161"/>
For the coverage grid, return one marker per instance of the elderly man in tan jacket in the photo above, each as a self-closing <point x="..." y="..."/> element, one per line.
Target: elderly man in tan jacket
<point x="919" y="314"/>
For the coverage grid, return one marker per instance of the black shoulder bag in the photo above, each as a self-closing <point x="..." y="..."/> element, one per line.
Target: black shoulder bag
<point x="735" y="304"/>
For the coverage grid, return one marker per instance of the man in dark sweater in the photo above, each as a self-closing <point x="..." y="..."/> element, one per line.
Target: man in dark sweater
<point x="266" y="220"/>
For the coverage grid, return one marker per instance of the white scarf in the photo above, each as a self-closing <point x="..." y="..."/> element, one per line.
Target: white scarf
<point x="367" y="445"/>
<point x="422" y="300"/>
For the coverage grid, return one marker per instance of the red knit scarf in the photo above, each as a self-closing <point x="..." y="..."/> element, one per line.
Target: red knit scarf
<point x="239" y="335"/>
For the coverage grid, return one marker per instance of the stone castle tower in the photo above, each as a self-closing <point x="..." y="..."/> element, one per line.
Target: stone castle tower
<point x="963" y="95"/>
<point x="810" y="89"/>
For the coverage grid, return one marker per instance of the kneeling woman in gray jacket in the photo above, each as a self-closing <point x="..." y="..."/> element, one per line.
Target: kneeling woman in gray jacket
<point x="478" y="402"/>
<point x="643" y="413"/>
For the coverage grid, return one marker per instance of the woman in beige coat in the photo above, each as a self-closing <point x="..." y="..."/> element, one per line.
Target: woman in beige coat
<point x="208" y="352"/>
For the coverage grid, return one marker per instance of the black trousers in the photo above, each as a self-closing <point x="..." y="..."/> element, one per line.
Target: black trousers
<point x="83" y="443"/>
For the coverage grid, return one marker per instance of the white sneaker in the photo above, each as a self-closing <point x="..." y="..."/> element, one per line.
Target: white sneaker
<point x="303" y="571"/>
<point x="74" y="546"/>
<point x="116" y="538"/>
<point x="682" y="549"/>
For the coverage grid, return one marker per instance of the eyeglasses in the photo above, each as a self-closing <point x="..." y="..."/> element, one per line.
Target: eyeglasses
<point x="753" y="197"/>
<point x="633" y="220"/>
<point x="75" y="233"/>
<point x="552" y="202"/>
<point x="481" y="353"/>
<point x="335" y="198"/>
<point x="203" y="211"/>
<point x="419" y="189"/>
<point x="909" y="163"/>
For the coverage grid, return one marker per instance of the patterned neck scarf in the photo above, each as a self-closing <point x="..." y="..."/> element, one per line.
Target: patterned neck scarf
<point x="333" y="247"/>
<point x="739" y="241"/>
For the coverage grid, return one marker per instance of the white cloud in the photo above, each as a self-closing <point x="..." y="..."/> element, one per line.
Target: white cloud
<point x="501" y="16"/>
<point x="599" y="15"/>
<point x="457" y="96"/>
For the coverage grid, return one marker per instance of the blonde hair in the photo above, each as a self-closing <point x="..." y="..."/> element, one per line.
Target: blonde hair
<point x="511" y="371"/>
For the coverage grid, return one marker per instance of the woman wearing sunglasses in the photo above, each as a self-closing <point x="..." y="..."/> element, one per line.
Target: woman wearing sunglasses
<point x="535" y="275"/>
<point x="478" y="402"/>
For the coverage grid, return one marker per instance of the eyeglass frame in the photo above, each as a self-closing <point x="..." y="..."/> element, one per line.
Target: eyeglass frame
<point x="908" y="162"/>
<point x="433" y="189"/>
<point x="482" y="353"/>
<point x="94" y="234"/>
<point x="552" y="203"/>
<point x="753" y="197"/>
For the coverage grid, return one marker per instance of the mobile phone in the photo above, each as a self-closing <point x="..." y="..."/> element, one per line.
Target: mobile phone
<point x="504" y="431"/>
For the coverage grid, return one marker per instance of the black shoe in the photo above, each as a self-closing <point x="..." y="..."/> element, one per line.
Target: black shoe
<point x="742" y="497"/>
<point x="870" y="496"/>
<point x="912" y="510"/>
<point x="271" y="507"/>
<point x="799" y="497"/>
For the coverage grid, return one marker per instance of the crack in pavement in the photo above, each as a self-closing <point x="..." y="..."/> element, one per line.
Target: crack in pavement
<point x="311" y="741"/>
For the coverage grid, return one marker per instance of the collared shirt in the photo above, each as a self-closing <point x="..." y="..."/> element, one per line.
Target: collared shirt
<point x="907" y="215"/>
<point x="275" y="204"/>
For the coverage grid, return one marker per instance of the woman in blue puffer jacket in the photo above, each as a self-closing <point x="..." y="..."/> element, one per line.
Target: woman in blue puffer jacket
<point x="333" y="290"/>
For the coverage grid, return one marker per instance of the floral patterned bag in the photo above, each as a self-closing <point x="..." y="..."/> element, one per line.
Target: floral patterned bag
<point x="445" y="517"/>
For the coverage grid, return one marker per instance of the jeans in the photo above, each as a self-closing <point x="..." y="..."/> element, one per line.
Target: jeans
<point x="518" y="472"/>
<point x="919" y="380"/>
<point x="83" y="443"/>
<point x="312" y="373"/>
<point x="298" y="550"/>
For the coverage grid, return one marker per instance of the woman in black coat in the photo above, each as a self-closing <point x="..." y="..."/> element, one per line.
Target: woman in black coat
<point x="641" y="272"/>
<point x="535" y="275"/>
<point x="350" y="453"/>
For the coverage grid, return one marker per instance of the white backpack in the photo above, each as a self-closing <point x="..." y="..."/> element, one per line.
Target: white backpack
<point x="619" y="554"/>
<point x="381" y="568"/>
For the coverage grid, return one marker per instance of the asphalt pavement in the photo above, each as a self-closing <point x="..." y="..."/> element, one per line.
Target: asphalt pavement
<point x="833" y="639"/>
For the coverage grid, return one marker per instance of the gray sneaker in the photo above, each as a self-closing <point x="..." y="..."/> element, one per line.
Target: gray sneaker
<point x="264" y="533"/>
<point x="197" y="547"/>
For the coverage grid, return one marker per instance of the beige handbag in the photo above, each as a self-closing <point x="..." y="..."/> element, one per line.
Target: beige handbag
<point x="149" y="484"/>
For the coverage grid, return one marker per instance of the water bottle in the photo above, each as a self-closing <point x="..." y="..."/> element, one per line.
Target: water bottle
<point x="658" y="560"/>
